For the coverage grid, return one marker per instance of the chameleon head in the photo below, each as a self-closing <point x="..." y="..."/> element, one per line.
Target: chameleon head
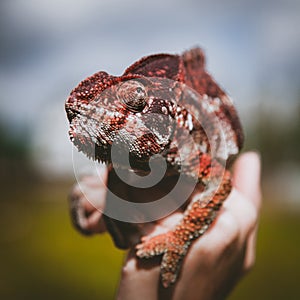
<point x="124" y="112"/>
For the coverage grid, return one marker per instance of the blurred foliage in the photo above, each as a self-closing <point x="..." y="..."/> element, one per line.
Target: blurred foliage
<point x="43" y="257"/>
<point x="277" y="270"/>
<point x="14" y="155"/>
<point x="13" y="146"/>
<point x="277" y="140"/>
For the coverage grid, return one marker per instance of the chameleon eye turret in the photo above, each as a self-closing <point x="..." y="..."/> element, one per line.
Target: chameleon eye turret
<point x="133" y="95"/>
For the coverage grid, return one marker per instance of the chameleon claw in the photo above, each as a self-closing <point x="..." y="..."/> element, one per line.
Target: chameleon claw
<point x="150" y="247"/>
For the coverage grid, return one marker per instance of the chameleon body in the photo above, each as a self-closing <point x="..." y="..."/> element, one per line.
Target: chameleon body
<point x="104" y="110"/>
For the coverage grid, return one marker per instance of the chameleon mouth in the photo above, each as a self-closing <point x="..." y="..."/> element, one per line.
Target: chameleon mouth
<point x="71" y="113"/>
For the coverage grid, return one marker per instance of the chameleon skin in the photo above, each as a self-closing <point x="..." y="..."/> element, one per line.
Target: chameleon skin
<point x="105" y="110"/>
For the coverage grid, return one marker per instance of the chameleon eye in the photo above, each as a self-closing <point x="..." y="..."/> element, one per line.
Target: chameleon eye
<point x="139" y="90"/>
<point x="133" y="95"/>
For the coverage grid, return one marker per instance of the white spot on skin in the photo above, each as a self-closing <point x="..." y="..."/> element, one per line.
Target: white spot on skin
<point x="150" y="101"/>
<point x="164" y="110"/>
<point x="190" y="122"/>
<point x="211" y="105"/>
<point x="180" y="120"/>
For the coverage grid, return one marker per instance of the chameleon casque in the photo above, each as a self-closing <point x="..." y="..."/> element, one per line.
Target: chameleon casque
<point x="105" y="109"/>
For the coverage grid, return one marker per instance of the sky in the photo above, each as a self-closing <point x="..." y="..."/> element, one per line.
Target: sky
<point x="48" y="47"/>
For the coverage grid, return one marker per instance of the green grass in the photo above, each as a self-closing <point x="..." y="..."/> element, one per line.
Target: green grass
<point x="276" y="274"/>
<point x="43" y="257"/>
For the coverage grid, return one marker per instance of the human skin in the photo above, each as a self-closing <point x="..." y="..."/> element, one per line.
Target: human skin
<point x="215" y="262"/>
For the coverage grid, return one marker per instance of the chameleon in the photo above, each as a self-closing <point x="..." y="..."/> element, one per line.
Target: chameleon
<point x="106" y="110"/>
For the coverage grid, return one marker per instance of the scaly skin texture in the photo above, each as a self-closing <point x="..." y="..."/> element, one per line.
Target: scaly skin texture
<point x="105" y="110"/>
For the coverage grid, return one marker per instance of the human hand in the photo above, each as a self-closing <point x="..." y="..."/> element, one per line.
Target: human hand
<point x="217" y="260"/>
<point x="214" y="263"/>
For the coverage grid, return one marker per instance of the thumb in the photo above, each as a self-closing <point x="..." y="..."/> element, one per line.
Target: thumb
<point x="246" y="177"/>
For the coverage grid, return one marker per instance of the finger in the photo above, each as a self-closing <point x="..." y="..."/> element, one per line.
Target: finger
<point x="95" y="223"/>
<point x="93" y="189"/>
<point x="246" y="177"/>
<point x="87" y="201"/>
<point x="139" y="279"/>
<point x="250" y="251"/>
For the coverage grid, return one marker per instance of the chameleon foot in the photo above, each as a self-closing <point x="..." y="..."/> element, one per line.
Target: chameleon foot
<point x="173" y="250"/>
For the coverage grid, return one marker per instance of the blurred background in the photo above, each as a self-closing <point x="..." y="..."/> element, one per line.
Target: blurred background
<point x="48" y="47"/>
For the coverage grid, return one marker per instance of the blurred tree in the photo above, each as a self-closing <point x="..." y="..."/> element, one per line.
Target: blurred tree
<point x="278" y="142"/>
<point x="14" y="154"/>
